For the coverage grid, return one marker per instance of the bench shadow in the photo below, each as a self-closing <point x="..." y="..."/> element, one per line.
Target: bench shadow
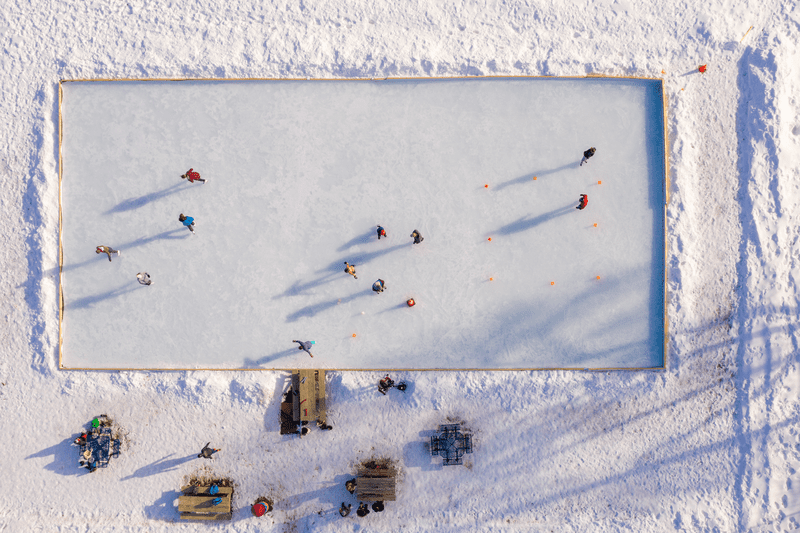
<point x="89" y="301"/>
<point x="525" y="178"/>
<point x="135" y="203"/>
<point x="314" y="309"/>
<point x="63" y="454"/>
<point x="364" y="238"/>
<point x="164" y="508"/>
<point x="526" y="223"/>
<point x="165" y="464"/>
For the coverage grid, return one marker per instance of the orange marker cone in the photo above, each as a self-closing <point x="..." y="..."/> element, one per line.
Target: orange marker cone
<point x="491" y="279"/>
<point x="486" y="186"/>
<point x="354" y="334"/>
<point x="663" y="72"/>
<point x="598" y="277"/>
<point x="552" y="283"/>
<point x="534" y="178"/>
<point x="599" y="182"/>
<point x="595" y="224"/>
<point x="490" y="238"/>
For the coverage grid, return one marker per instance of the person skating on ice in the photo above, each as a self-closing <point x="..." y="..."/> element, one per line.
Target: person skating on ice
<point x="192" y="176"/>
<point x="381" y="232"/>
<point x="305" y="345"/>
<point x="379" y="286"/>
<point x="418" y="238"/>
<point x="350" y="269"/>
<point x="587" y="154"/>
<point x="207" y="452"/>
<point x="106" y="250"/>
<point x="144" y="278"/>
<point x="584" y="201"/>
<point x="187" y="221"/>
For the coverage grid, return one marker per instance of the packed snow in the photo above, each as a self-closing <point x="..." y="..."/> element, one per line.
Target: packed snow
<point x="708" y="444"/>
<point x="509" y="273"/>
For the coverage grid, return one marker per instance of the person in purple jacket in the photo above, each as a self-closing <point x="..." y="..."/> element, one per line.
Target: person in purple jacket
<point x="305" y="345"/>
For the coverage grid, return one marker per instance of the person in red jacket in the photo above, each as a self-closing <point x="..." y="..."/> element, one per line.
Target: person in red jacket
<point x="192" y="176"/>
<point x="584" y="201"/>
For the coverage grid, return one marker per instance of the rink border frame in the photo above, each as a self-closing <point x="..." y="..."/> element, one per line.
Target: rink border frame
<point x="665" y="184"/>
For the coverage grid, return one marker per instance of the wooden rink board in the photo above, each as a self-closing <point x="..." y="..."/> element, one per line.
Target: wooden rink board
<point x="321" y="405"/>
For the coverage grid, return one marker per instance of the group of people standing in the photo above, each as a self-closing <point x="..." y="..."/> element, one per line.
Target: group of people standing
<point x="143" y="277"/>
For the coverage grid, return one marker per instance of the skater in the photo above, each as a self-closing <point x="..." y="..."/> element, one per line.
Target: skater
<point x="410" y="302"/>
<point x="344" y="510"/>
<point x="702" y="69"/>
<point x="584" y="201"/>
<point x="379" y="286"/>
<point x="385" y="384"/>
<point x="381" y="232"/>
<point x="192" y="176"/>
<point x="305" y="345"/>
<point x="417" y="237"/>
<point x="350" y="485"/>
<point x="187" y="221"/>
<point x="106" y="250"/>
<point x="144" y="278"/>
<point x="207" y="452"/>
<point x="377" y="507"/>
<point x="350" y="269"/>
<point x="587" y="154"/>
<point x="363" y="510"/>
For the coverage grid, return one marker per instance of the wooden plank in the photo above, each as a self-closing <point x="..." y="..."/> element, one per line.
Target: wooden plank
<point x="295" y="395"/>
<point x="217" y="516"/>
<point x="199" y="490"/>
<point x="202" y="504"/>
<point x="376" y="489"/>
<point x="321" y="405"/>
<point x="308" y="397"/>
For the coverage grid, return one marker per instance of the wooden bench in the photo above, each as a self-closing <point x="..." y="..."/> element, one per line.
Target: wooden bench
<point x="196" y="503"/>
<point x="376" y="484"/>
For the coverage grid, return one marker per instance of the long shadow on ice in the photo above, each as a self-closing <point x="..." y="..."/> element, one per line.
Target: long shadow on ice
<point x="525" y="178"/>
<point x="165" y="464"/>
<point x="361" y="239"/>
<point x="311" y="310"/>
<point x="255" y="363"/>
<point x="526" y="223"/>
<point x="89" y="301"/>
<point x="135" y="203"/>
<point x="360" y="258"/>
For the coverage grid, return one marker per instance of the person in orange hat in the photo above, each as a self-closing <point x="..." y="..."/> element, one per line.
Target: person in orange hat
<point x="381" y="232"/>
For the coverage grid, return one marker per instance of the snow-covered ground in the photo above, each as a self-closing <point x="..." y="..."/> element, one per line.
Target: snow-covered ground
<point x="298" y="175"/>
<point x="709" y="444"/>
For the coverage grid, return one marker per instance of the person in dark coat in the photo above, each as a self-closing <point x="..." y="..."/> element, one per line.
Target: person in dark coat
<point x="418" y="238"/>
<point x="344" y="510"/>
<point x="350" y="269"/>
<point x="379" y="286"/>
<point x="385" y="384"/>
<point x="363" y="510"/>
<point x="584" y="201"/>
<point x="144" y="278"/>
<point x="187" y="221"/>
<point x="207" y="452"/>
<point x="192" y="176"/>
<point x="106" y="250"/>
<point x="377" y="507"/>
<point x="381" y="232"/>
<point x="350" y="485"/>
<point x="305" y="345"/>
<point x="587" y="154"/>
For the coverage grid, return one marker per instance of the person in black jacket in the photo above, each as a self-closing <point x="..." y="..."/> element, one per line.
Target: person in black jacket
<point x="417" y="237"/>
<point x="584" y="201"/>
<point x="363" y="510"/>
<point x="587" y="154"/>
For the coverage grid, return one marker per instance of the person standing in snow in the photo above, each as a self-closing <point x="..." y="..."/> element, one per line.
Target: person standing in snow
<point x="381" y="232"/>
<point x="379" y="286"/>
<point x="192" y="176"/>
<point x="144" y="278"/>
<point x="187" y="221"/>
<point x="418" y="238"/>
<point x="587" y="154"/>
<point x="377" y="507"/>
<point x="350" y="485"/>
<point x="385" y="384"/>
<point x="350" y="269"/>
<point x="363" y="510"/>
<point x="305" y="345"/>
<point x="106" y="250"/>
<point x="344" y="510"/>
<point x="207" y="452"/>
<point x="584" y="201"/>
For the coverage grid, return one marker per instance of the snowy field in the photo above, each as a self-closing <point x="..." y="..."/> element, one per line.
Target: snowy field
<point x="709" y="444"/>
<point x="300" y="173"/>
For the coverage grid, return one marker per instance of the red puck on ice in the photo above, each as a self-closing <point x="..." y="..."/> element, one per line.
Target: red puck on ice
<point x="259" y="509"/>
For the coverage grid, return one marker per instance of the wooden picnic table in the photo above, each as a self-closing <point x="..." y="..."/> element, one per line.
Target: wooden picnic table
<point x="197" y="503"/>
<point x="309" y="402"/>
<point x="376" y="484"/>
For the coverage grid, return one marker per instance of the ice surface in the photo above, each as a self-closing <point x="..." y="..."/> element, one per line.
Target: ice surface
<point x="300" y="173"/>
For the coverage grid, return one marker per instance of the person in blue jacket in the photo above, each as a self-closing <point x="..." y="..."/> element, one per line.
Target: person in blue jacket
<point x="187" y="221"/>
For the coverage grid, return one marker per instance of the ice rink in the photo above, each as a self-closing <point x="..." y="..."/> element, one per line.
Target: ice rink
<point x="299" y="175"/>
